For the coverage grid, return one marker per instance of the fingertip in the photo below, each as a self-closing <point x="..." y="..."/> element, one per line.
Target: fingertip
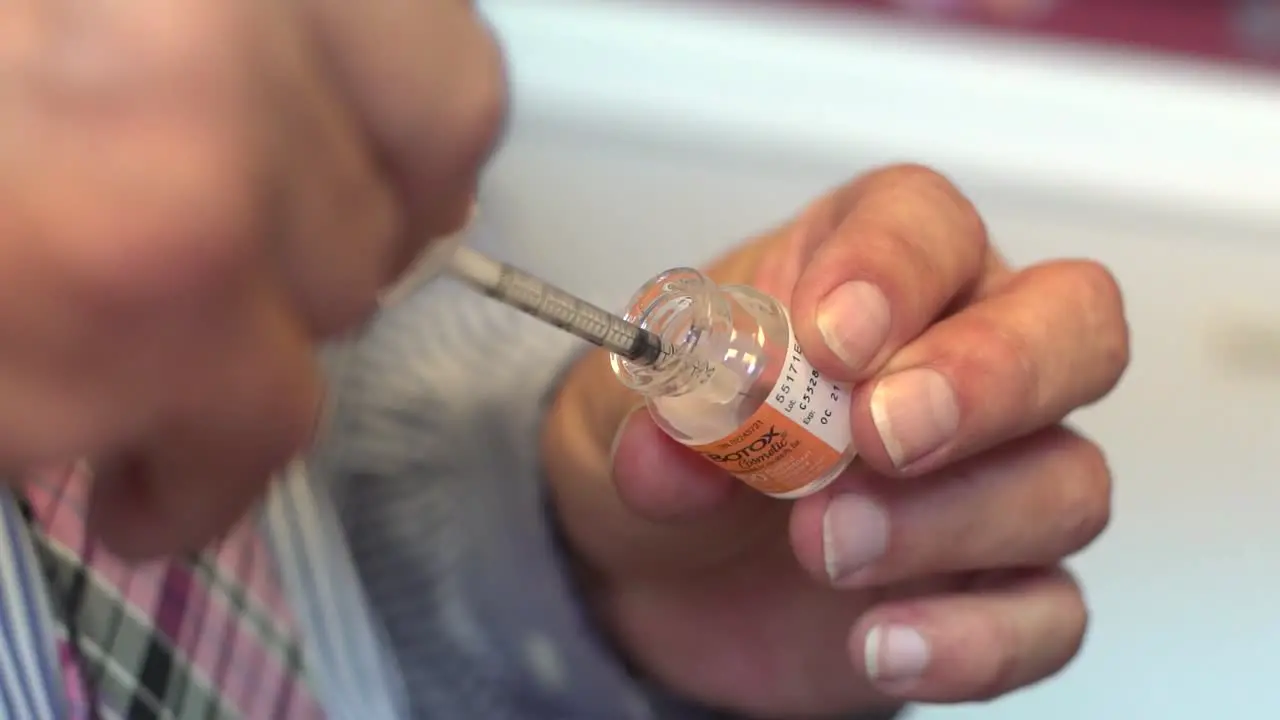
<point x="917" y="653"/>
<point x="808" y="534"/>
<point x="973" y="646"/>
<point x="827" y="538"/>
<point x="872" y="450"/>
<point x="894" y="654"/>
<point x="661" y="480"/>
<point x="841" y="323"/>
<point x="849" y="326"/>
<point x="839" y="343"/>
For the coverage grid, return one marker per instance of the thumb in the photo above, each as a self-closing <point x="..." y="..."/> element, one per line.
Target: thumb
<point x="697" y="516"/>
<point x="661" y="480"/>
<point x="630" y="499"/>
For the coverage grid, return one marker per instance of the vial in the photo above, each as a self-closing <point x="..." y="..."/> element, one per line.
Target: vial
<point x="734" y="385"/>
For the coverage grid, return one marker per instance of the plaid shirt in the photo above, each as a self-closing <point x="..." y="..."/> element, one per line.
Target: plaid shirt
<point x="211" y="636"/>
<point x="205" y="636"/>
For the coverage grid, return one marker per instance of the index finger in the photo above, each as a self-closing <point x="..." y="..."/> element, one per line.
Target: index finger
<point x="429" y="83"/>
<point x="876" y="263"/>
<point x="1052" y="339"/>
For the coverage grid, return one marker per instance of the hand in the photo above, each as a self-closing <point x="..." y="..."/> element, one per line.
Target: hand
<point x="193" y="195"/>
<point x="931" y="570"/>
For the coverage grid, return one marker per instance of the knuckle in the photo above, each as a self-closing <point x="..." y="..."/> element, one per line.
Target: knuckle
<point x="185" y="226"/>
<point x="466" y="123"/>
<point x="22" y="37"/>
<point x="959" y="217"/>
<point x="1012" y="649"/>
<point x="144" y="190"/>
<point x="193" y="34"/>
<point x="901" y="256"/>
<point x="483" y="114"/>
<point x="141" y="54"/>
<point x="470" y="111"/>
<point x="996" y="347"/>
<point x="916" y="177"/>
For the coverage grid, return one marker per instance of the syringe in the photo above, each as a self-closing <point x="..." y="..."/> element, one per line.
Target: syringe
<point x="550" y="304"/>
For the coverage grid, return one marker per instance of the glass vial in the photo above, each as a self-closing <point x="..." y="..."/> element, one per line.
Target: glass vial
<point x="734" y="386"/>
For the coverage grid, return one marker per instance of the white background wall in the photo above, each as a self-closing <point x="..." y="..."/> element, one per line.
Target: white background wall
<point x="648" y="135"/>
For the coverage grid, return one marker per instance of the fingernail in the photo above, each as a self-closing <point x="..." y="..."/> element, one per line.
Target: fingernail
<point x="895" y="653"/>
<point x="622" y="428"/>
<point x="854" y="322"/>
<point x="855" y="533"/>
<point x="915" y="412"/>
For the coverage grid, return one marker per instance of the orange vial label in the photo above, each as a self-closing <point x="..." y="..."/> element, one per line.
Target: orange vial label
<point x="795" y="438"/>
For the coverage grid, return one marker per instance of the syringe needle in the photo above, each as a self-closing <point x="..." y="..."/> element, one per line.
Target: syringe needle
<point x="550" y="304"/>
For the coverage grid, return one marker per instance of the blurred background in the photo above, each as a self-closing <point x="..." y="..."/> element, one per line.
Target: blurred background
<point x="1145" y="133"/>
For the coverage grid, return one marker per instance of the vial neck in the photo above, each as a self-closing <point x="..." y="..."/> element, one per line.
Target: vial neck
<point x="693" y="319"/>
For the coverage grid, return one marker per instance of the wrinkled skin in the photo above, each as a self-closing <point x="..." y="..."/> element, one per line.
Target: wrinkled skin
<point x="196" y="195"/>
<point x="733" y="598"/>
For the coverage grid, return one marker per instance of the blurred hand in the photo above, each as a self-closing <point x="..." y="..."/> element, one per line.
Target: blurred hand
<point x="931" y="570"/>
<point x="193" y="195"/>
